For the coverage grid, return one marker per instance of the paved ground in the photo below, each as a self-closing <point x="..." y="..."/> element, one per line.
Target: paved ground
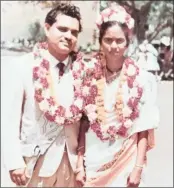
<point x="160" y="159"/>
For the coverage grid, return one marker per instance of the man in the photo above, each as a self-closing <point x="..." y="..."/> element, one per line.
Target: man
<point x="39" y="147"/>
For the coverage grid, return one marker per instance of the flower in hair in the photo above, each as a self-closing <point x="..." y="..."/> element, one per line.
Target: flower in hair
<point x="115" y="13"/>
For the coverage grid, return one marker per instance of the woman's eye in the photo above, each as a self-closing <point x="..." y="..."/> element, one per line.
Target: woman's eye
<point x="108" y="40"/>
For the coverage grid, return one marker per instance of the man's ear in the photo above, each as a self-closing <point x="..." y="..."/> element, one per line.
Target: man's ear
<point x="46" y="28"/>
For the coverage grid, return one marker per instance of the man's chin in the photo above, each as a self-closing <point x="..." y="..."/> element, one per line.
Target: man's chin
<point x="64" y="51"/>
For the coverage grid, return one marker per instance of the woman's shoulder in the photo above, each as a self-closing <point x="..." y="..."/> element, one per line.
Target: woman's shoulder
<point x="148" y="81"/>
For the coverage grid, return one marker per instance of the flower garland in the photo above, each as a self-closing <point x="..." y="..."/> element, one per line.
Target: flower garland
<point x="44" y="91"/>
<point x="125" y="113"/>
<point x="115" y="13"/>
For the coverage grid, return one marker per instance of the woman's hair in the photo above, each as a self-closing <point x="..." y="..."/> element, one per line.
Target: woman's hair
<point x="105" y="25"/>
<point x="66" y="9"/>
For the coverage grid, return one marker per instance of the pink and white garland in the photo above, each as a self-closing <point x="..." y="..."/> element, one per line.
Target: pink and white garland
<point x="44" y="91"/>
<point x="125" y="113"/>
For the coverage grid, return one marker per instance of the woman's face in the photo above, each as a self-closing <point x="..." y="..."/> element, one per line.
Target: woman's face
<point x="114" y="42"/>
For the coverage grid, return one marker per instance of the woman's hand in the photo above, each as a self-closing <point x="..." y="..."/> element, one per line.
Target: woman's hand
<point x="134" y="178"/>
<point x="81" y="177"/>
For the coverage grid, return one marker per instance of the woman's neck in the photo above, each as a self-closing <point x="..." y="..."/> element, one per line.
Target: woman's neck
<point x="116" y="65"/>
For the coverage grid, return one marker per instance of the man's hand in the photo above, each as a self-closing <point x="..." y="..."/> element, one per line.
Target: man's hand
<point x="134" y="178"/>
<point x="18" y="176"/>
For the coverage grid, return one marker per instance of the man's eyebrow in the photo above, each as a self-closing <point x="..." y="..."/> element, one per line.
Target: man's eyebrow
<point x="64" y="27"/>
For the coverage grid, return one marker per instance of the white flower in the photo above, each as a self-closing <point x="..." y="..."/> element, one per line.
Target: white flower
<point x="128" y="123"/>
<point x="86" y="90"/>
<point x="90" y="108"/>
<point x="38" y="85"/>
<point x="126" y="111"/>
<point x="78" y="103"/>
<point x="46" y="93"/>
<point x="92" y="116"/>
<point x="77" y="82"/>
<point x="68" y="114"/>
<point x="106" y="11"/>
<point x="106" y="19"/>
<point x="76" y="66"/>
<point x="44" y="105"/>
<point x="113" y="17"/>
<point x="131" y="23"/>
<point x="53" y="109"/>
<point x="131" y="71"/>
<point x="134" y="92"/>
<point x="60" y="119"/>
<point x="99" y="20"/>
<point x="90" y="65"/>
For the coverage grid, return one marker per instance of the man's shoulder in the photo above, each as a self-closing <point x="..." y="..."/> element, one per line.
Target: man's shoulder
<point x="26" y="57"/>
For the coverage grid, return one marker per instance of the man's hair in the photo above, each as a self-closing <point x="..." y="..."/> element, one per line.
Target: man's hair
<point x="66" y="9"/>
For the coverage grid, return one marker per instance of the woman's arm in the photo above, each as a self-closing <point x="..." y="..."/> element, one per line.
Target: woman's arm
<point x="142" y="148"/>
<point x="135" y="176"/>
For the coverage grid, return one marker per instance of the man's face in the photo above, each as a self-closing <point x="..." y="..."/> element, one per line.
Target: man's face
<point x="62" y="35"/>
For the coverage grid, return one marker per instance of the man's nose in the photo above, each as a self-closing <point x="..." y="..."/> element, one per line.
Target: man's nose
<point x="68" y="34"/>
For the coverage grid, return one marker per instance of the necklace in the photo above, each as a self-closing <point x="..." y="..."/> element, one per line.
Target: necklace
<point x="125" y="112"/>
<point x="44" y="90"/>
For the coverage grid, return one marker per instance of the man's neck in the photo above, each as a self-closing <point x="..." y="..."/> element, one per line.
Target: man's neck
<point x="58" y="56"/>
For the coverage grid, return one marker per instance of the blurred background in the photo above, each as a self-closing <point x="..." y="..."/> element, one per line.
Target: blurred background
<point x="22" y="26"/>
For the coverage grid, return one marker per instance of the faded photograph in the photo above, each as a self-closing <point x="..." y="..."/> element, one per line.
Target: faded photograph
<point x="87" y="93"/>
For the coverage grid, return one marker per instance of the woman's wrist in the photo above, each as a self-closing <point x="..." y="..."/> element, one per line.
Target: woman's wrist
<point x="138" y="167"/>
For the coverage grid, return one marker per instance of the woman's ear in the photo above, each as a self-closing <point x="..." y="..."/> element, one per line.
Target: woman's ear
<point x="46" y="29"/>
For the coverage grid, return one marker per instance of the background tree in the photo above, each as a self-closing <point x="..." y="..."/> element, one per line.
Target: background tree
<point x="151" y="17"/>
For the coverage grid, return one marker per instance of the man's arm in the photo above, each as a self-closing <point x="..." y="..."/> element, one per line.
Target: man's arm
<point x="12" y="95"/>
<point x="84" y="125"/>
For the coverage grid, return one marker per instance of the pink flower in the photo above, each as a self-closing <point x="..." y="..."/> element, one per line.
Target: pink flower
<point x="75" y="110"/>
<point x="45" y="64"/>
<point x="35" y="73"/>
<point x="44" y="82"/>
<point x="122" y="131"/>
<point x="140" y="92"/>
<point x="51" y="101"/>
<point x="38" y="95"/>
<point x="95" y="126"/>
<point x="60" y="111"/>
<point x="49" y="116"/>
<point x="133" y="102"/>
<point x="130" y="82"/>
<point x="94" y="90"/>
<point x="112" y="132"/>
<point x="135" y="114"/>
<point x="90" y="100"/>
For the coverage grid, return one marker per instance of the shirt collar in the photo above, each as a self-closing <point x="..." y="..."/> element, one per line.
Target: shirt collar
<point x="54" y="61"/>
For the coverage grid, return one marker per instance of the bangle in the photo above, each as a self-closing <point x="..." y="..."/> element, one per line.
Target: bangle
<point x="139" y="166"/>
<point x="77" y="170"/>
<point x="80" y="148"/>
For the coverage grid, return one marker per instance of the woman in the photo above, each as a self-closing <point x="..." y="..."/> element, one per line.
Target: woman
<point x="120" y="106"/>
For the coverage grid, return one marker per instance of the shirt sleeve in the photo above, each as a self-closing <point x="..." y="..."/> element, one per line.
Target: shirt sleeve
<point x="12" y="98"/>
<point x="149" y="112"/>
